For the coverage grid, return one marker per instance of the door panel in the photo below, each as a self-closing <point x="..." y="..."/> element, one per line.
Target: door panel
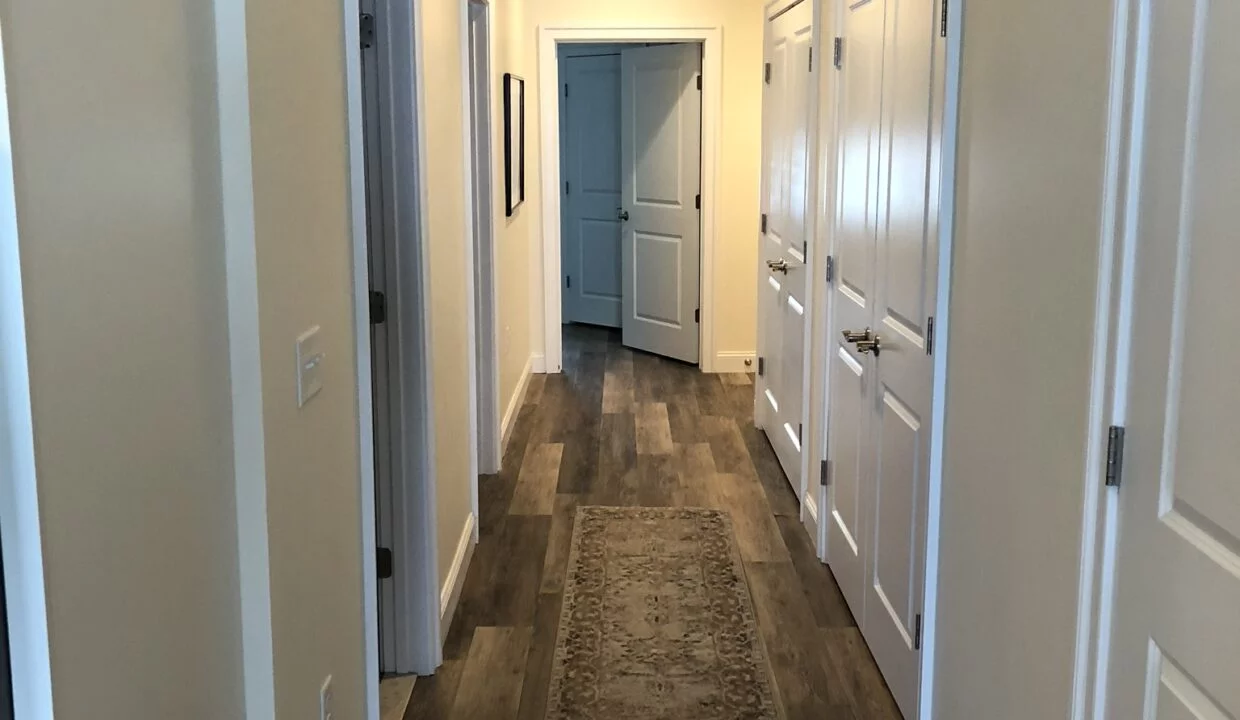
<point x="1176" y="642"/>
<point x="907" y="264"/>
<point x="591" y="230"/>
<point x="661" y="121"/>
<point x="852" y="299"/>
<point x="786" y="117"/>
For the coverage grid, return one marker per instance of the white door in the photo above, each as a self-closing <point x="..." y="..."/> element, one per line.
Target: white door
<point x="661" y="150"/>
<point x="1176" y="637"/>
<point x="906" y="261"/>
<point x="883" y="298"/>
<point x="853" y="297"/>
<point x="782" y="247"/>
<point x="590" y="115"/>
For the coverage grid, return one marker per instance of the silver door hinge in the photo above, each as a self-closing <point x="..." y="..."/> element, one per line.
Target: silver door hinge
<point x="830" y="268"/>
<point x="1115" y="456"/>
<point x="767" y="74"/>
<point x="764" y="223"/>
<point x="837" y="57"/>
<point x="930" y="336"/>
<point x="917" y="633"/>
<point x="800" y="433"/>
<point x="811" y="59"/>
<point x="761" y="367"/>
<point x="825" y="473"/>
<point x="366" y="29"/>
<point x="943" y="20"/>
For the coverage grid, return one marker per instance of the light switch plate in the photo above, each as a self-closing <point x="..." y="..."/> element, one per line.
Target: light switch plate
<point x="309" y="366"/>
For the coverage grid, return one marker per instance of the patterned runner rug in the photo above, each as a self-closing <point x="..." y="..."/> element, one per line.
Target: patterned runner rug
<point x="657" y="621"/>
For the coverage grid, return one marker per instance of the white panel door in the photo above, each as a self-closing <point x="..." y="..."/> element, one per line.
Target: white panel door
<point x="1176" y="637"/>
<point x="661" y="150"/>
<point x="591" y="169"/>
<point x="853" y="298"/>
<point x="782" y="247"/>
<point x="906" y="262"/>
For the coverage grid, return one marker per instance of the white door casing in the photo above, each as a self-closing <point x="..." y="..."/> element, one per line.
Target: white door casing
<point x="590" y="120"/>
<point x="661" y="113"/>
<point x="787" y="117"/>
<point x="1175" y="651"/>
<point x="890" y="126"/>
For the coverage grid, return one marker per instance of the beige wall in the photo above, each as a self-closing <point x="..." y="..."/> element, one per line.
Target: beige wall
<point x="1029" y="209"/>
<point x="118" y="199"/>
<point x="735" y="281"/>
<point x="302" y="226"/>
<point x="515" y="242"/>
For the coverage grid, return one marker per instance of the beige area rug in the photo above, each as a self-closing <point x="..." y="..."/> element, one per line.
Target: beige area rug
<point x="657" y="621"/>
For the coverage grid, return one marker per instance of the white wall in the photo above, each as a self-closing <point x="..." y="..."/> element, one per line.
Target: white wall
<point x="117" y="189"/>
<point x="1028" y="226"/>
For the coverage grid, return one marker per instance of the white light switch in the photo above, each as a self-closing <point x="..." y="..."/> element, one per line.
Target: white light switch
<point x="309" y="366"/>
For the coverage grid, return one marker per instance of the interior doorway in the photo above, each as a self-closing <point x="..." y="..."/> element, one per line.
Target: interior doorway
<point x="630" y="216"/>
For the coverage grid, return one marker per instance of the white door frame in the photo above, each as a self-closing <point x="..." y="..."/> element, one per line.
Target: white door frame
<point x="549" y="38"/>
<point x="830" y="14"/>
<point x="483" y="300"/>
<point x="415" y="571"/>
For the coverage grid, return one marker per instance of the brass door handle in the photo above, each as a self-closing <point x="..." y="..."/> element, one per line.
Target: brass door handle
<point x="865" y="347"/>
<point x="856" y="336"/>
<point x="780" y="265"/>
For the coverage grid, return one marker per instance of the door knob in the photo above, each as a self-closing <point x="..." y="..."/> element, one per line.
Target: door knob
<point x="856" y="336"/>
<point x="622" y="214"/>
<point x="780" y="265"/>
<point x="865" y="347"/>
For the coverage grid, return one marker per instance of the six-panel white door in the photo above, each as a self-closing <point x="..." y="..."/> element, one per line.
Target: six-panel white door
<point x="661" y="149"/>
<point x="787" y="116"/>
<point x="1175" y="653"/>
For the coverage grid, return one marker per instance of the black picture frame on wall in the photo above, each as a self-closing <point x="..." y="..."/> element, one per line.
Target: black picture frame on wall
<point x="514" y="142"/>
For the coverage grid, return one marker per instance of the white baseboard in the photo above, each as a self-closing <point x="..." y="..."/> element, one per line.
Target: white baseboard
<point x="734" y="362"/>
<point x="538" y="364"/>
<point x="514" y="406"/>
<point x="450" y="594"/>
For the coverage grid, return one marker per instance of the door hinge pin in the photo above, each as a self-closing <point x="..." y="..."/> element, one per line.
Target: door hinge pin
<point x="697" y="202"/>
<point x="568" y="188"/>
<point x="761" y="367"/>
<point x="837" y="55"/>
<point x="830" y="268"/>
<point x="943" y="20"/>
<point x="767" y="74"/>
<point x="568" y="281"/>
<point x="930" y="336"/>
<point x="917" y="633"/>
<point x="764" y="223"/>
<point x="811" y="59"/>
<point x="825" y="473"/>
<point x="697" y="316"/>
<point x="699" y="82"/>
<point x="1115" y="456"/>
<point x="565" y="89"/>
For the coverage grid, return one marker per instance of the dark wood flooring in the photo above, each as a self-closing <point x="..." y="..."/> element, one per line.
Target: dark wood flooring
<point x="620" y="427"/>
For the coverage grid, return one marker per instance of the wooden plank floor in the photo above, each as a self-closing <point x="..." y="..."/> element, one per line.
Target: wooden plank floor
<point x="620" y="427"/>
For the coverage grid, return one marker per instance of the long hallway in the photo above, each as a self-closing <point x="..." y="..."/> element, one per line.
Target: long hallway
<point x="624" y="428"/>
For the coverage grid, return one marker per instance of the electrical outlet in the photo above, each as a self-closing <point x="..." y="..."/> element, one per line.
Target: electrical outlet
<point x="326" y="711"/>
